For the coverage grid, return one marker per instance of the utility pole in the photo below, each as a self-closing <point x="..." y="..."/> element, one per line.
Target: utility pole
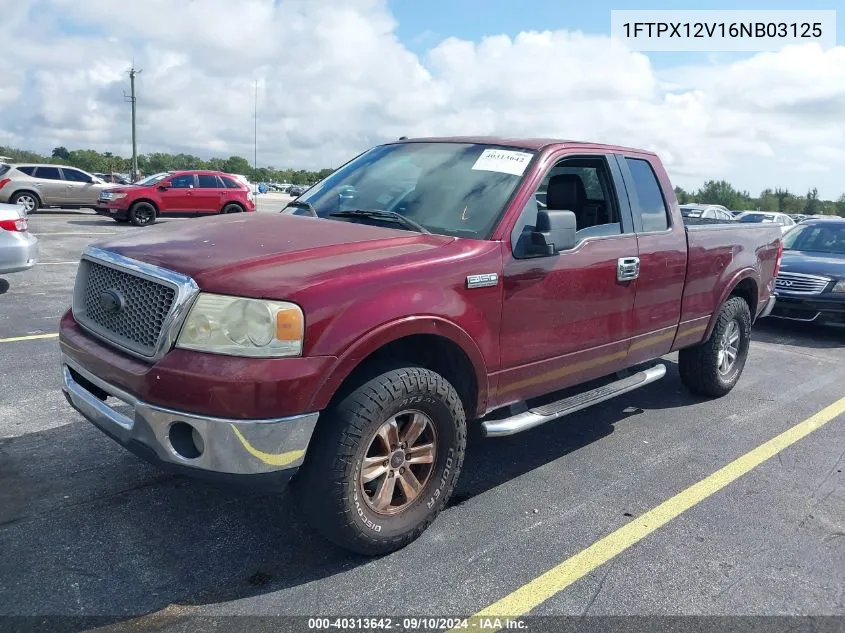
<point x="255" y="131"/>
<point x="131" y="99"/>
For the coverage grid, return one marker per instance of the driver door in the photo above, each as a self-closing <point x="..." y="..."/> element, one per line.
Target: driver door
<point x="567" y="318"/>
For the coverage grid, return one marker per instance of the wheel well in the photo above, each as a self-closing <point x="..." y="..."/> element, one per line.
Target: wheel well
<point x="747" y="289"/>
<point x="30" y="192"/>
<point x="155" y="206"/>
<point x="433" y="352"/>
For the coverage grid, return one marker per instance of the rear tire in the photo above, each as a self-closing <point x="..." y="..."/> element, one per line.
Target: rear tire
<point x="349" y="461"/>
<point x="28" y="199"/>
<point x="713" y="368"/>
<point x="232" y="208"/>
<point x="142" y="214"/>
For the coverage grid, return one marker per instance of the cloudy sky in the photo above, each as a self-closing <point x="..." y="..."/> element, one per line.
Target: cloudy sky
<point x="337" y="76"/>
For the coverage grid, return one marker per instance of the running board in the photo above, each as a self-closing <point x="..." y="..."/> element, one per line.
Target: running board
<point x="540" y="415"/>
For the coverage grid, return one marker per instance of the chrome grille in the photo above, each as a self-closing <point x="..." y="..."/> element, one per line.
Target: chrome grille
<point x="133" y="305"/>
<point x="799" y="283"/>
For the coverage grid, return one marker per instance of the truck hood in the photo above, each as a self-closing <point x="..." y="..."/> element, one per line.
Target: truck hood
<point x="813" y="263"/>
<point x="267" y="255"/>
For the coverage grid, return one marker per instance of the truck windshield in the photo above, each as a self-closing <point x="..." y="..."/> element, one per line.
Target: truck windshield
<point x="818" y="238"/>
<point x="456" y="189"/>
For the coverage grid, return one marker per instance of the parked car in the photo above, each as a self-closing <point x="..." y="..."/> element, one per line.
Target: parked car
<point x="707" y="212"/>
<point x="117" y="179"/>
<point x="297" y="190"/>
<point x="35" y="186"/>
<point x="176" y="194"/>
<point x="781" y="219"/>
<point x="18" y="247"/>
<point x="356" y="345"/>
<point x="811" y="283"/>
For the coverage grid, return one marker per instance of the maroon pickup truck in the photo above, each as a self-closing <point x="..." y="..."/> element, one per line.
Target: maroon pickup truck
<point x="425" y="287"/>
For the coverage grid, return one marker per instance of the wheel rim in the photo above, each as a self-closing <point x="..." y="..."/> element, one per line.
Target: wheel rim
<point x="398" y="463"/>
<point x="729" y="348"/>
<point x="28" y="202"/>
<point x="232" y="208"/>
<point x="144" y="213"/>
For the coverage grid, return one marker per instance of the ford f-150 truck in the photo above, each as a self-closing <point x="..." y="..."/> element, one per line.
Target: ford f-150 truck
<point x="427" y="287"/>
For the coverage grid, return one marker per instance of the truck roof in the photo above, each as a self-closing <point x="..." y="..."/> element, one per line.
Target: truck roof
<point x="521" y="143"/>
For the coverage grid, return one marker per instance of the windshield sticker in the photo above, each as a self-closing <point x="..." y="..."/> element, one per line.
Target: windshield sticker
<point x="503" y="161"/>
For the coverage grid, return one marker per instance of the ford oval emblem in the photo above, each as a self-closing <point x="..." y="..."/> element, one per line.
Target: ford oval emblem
<point x="112" y="301"/>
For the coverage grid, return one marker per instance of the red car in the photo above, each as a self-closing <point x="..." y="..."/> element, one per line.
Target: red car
<point x="176" y="194"/>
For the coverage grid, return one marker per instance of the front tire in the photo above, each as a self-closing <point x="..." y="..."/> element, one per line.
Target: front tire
<point x="713" y="368"/>
<point x="142" y="214"/>
<point x="383" y="461"/>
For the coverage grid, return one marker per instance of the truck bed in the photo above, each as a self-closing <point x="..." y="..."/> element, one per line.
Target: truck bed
<point x="721" y="252"/>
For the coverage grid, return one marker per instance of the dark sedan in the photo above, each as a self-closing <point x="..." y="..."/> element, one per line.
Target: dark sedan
<point x="811" y="283"/>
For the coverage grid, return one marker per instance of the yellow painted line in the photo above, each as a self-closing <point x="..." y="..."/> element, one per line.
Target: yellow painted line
<point x="31" y="337"/>
<point x="537" y="591"/>
<point x="273" y="459"/>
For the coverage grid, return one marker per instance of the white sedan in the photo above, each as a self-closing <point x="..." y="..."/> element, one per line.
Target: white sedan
<point x="785" y="222"/>
<point x="18" y="247"/>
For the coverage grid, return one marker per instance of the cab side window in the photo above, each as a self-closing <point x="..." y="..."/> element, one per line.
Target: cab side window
<point x="652" y="206"/>
<point x="582" y="185"/>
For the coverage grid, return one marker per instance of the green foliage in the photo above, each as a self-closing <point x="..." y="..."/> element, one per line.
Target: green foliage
<point x="93" y="161"/>
<point x="712" y="192"/>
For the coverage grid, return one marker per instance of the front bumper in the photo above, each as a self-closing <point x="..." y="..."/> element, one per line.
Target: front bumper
<point x="828" y="308"/>
<point x="18" y="251"/>
<point x="767" y="309"/>
<point x="186" y="440"/>
<point x="112" y="210"/>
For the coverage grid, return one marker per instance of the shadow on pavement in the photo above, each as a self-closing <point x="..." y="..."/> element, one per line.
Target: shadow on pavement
<point x="797" y="334"/>
<point x="101" y="533"/>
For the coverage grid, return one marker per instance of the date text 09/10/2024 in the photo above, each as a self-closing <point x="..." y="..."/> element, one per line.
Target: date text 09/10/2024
<point x="417" y="623"/>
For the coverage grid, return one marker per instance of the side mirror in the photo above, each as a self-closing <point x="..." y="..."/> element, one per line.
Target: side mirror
<point x="554" y="232"/>
<point x="163" y="186"/>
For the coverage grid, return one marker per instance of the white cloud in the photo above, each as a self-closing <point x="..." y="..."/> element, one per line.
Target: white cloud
<point x="334" y="80"/>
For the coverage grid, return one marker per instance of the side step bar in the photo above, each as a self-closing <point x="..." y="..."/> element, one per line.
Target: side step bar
<point x="540" y="415"/>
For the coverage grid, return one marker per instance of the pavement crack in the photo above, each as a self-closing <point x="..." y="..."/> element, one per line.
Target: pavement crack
<point x="596" y="593"/>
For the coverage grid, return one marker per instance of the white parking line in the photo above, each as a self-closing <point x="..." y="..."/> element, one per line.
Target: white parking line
<point x="83" y="234"/>
<point x="55" y="263"/>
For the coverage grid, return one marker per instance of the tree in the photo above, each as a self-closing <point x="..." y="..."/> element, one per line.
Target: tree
<point x="237" y="165"/>
<point x="813" y="205"/>
<point x="61" y="152"/>
<point x="682" y="196"/>
<point x="722" y="192"/>
<point x="840" y="205"/>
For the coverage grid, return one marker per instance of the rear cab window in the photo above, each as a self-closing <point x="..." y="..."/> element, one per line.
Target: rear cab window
<point x="648" y="203"/>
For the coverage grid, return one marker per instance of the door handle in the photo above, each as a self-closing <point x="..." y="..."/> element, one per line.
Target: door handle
<point x="627" y="268"/>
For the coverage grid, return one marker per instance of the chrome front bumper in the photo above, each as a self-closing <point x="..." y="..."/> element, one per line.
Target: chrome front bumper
<point x="217" y="445"/>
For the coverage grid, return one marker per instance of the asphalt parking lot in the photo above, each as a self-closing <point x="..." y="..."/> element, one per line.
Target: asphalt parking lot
<point x="87" y="529"/>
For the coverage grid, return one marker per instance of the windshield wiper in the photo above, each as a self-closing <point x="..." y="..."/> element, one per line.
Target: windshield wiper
<point x="380" y="214"/>
<point x="302" y="204"/>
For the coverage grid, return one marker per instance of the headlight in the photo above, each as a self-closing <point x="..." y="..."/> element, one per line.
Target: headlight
<point x="116" y="196"/>
<point x="840" y="286"/>
<point x="243" y="327"/>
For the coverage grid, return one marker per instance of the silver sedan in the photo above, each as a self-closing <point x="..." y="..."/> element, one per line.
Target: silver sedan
<point x="18" y="247"/>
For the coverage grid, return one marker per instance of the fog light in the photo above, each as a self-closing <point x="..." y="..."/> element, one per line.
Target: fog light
<point x="185" y="440"/>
